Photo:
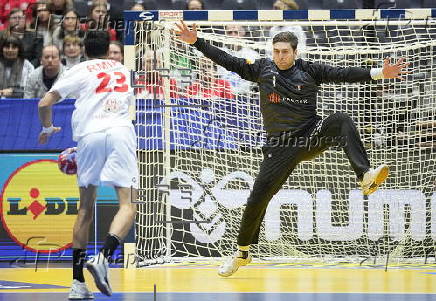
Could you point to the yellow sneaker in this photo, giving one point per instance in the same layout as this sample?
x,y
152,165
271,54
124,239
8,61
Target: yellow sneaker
x,y
373,178
230,266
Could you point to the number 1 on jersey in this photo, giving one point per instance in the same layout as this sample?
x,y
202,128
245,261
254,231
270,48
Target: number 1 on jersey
x,y
105,79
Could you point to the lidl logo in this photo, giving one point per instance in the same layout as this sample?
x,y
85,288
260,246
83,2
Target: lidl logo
x,y
38,206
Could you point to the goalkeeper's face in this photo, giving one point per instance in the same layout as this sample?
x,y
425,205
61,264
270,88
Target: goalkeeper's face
x,y
283,55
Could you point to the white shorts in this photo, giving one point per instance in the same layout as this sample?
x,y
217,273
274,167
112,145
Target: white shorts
x,y
108,158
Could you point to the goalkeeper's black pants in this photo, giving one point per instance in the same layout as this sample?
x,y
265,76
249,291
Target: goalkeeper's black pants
x,y
283,154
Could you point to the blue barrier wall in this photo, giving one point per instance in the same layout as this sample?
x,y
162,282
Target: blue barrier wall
x,y
219,124
20,126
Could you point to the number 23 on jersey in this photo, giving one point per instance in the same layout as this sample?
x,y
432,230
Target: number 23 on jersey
x,y
104,86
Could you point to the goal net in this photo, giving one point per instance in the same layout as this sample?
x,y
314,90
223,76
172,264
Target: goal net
x,y
200,138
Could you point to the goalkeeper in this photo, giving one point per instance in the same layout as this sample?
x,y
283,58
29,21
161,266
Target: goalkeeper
x,y
288,89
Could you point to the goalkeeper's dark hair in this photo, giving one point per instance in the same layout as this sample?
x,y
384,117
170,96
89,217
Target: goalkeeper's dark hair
x,y
287,37
96,43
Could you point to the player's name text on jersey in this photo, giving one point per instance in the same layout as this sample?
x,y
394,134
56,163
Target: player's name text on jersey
x,y
103,65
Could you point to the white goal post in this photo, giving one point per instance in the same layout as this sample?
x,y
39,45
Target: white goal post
x,y
200,137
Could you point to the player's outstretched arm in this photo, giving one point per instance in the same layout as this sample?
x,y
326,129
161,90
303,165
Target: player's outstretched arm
x,y
326,74
394,70
45,116
247,70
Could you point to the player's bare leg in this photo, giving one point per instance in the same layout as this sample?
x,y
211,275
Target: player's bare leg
x,y
84,219
125,216
98,266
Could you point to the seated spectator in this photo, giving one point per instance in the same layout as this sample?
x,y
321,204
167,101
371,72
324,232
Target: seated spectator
x,y
116,51
14,68
42,78
295,29
6,6
32,41
285,5
208,86
137,7
42,22
72,51
69,26
98,19
239,85
194,5
59,8
117,8
152,81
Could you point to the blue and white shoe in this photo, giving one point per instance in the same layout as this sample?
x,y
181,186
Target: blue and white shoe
x,y
98,266
79,291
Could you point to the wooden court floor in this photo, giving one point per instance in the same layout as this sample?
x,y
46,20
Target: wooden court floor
x,y
257,282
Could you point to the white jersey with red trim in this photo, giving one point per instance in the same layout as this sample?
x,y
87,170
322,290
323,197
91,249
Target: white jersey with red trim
x,y
103,94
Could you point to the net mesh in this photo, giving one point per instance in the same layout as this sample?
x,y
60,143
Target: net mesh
x,y
200,138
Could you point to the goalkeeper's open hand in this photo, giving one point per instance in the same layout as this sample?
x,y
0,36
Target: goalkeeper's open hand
x,y
46,133
394,70
185,34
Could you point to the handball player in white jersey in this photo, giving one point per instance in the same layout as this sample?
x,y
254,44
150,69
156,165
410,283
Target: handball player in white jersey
x,y
106,151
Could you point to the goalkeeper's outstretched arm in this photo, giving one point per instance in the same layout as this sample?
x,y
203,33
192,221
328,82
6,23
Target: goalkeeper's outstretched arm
x,y
326,73
246,69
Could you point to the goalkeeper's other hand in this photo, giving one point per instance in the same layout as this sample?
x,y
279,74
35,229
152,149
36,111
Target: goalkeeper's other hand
x,y
46,133
394,70
185,34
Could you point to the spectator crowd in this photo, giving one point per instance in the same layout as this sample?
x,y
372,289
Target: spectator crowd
x,y
41,39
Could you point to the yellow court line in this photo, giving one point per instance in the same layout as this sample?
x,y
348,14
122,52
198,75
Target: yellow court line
x,y
250,279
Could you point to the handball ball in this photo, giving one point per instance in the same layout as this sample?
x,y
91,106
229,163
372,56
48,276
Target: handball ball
x,y
67,161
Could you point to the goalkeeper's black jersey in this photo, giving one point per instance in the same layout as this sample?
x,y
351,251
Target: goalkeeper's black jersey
x,y
288,97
